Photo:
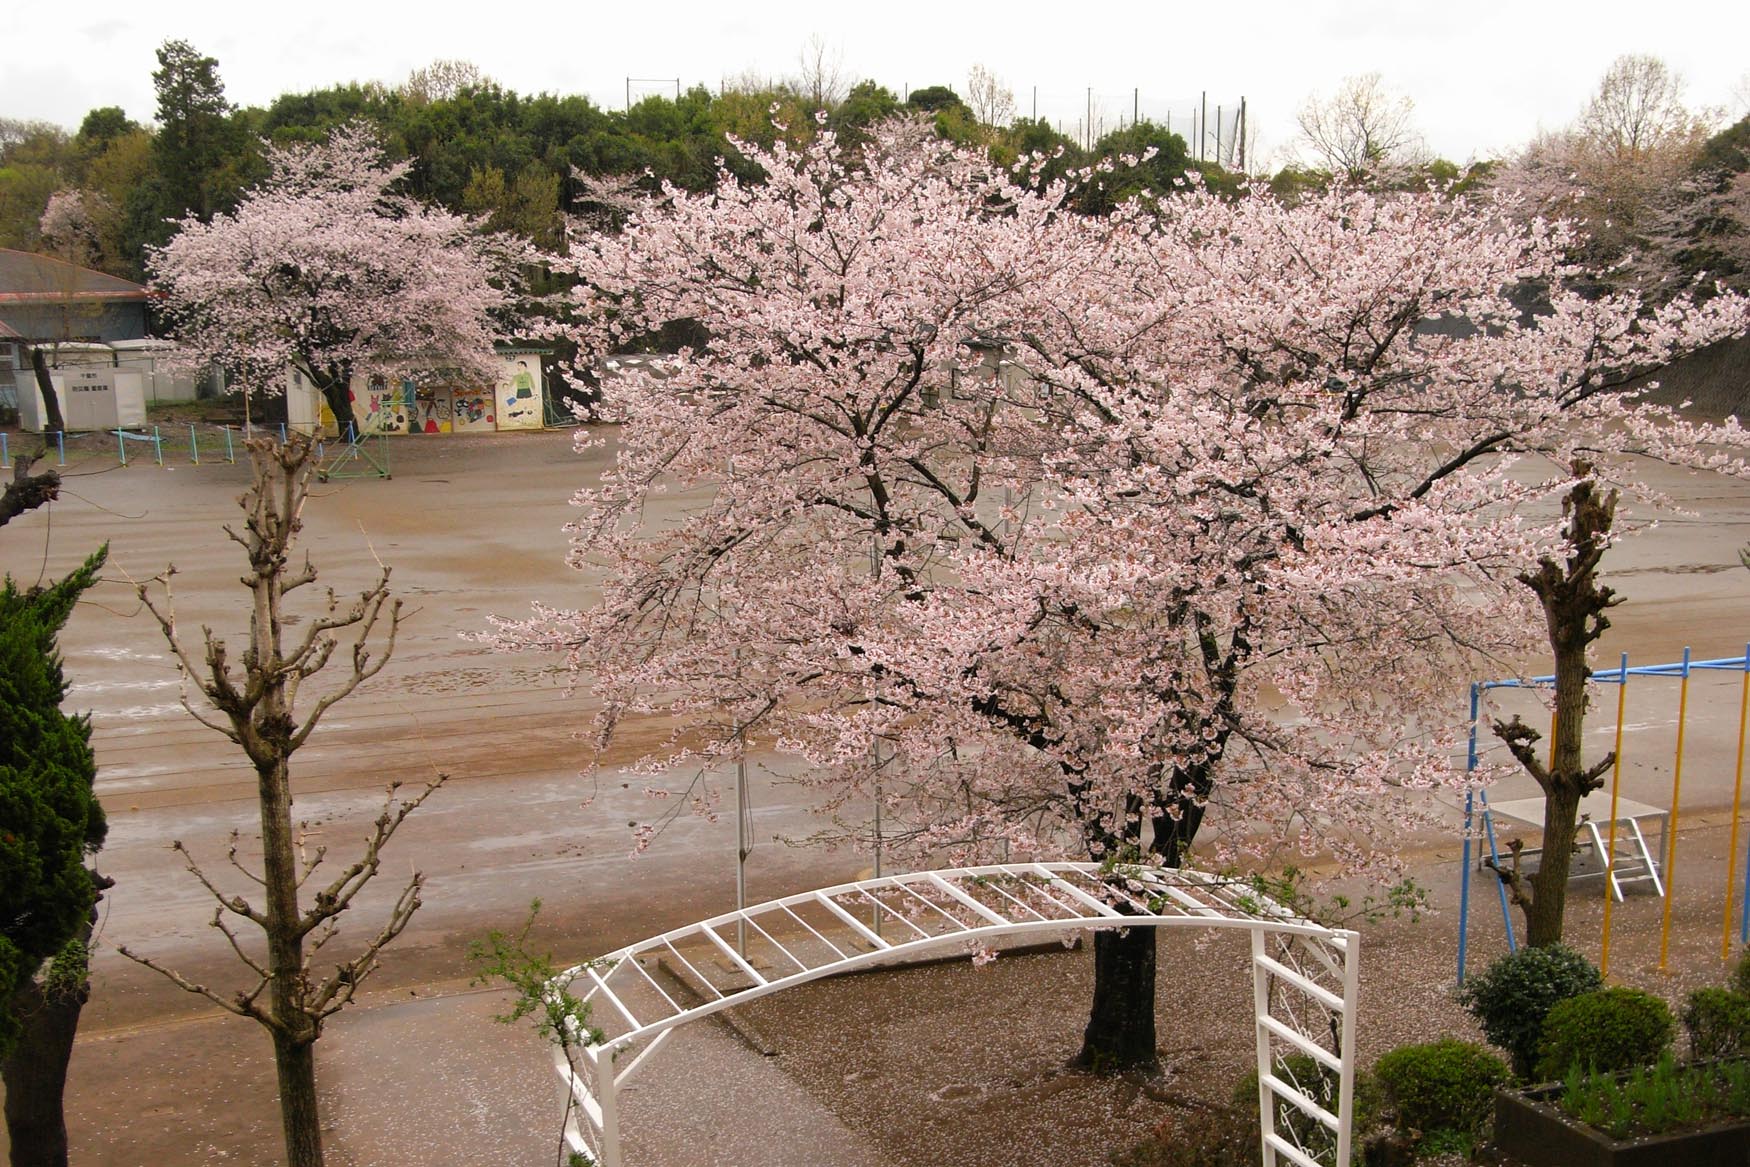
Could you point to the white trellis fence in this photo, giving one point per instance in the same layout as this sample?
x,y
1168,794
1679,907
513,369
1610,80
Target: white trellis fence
x,y
1304,977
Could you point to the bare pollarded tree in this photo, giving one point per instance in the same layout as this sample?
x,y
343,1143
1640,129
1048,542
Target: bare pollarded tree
x,y
1361,128
253,703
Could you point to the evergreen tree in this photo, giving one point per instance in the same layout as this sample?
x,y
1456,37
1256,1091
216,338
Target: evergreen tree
x,y
50,822
194,132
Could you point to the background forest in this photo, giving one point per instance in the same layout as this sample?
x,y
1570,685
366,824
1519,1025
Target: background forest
x,y
1663,187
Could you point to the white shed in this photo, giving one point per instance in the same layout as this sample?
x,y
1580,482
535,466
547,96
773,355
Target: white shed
x,y
92,398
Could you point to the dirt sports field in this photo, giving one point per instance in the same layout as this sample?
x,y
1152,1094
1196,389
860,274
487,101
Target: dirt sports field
x,y
935,1065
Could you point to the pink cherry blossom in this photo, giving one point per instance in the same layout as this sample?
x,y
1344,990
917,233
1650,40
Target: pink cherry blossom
x,y
1056,532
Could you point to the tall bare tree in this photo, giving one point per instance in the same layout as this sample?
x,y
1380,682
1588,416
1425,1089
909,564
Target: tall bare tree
x,y
1625,169
253,703
1360,129
1638,111
821,81
442,80
992,103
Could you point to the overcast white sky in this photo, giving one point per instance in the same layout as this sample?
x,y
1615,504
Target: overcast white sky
x,y
1484,76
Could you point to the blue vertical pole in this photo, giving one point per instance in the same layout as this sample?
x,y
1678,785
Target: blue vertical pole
x,y
61,446
229,455
157,446
5,454
1470,797
194,445
1500,884
121,445
282,433
1744,917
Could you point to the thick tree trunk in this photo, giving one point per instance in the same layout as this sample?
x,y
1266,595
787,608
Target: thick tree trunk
x,y
1549,886
336,386
294,1030
1120,1035
36,1073
55,421
28,491
1574,603
295,1064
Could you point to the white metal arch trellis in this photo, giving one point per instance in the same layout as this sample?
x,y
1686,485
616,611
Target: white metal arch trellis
x,y
1304,977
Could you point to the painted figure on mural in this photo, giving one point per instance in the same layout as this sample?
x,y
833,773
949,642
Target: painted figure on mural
x,y
375,391
519,400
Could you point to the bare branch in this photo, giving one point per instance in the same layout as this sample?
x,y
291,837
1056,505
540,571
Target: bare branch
x,y
236,905
242,1004
338,895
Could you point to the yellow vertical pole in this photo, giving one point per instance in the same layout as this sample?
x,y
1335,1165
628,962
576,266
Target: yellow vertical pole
x,y
1615,788
1671,826
1737,803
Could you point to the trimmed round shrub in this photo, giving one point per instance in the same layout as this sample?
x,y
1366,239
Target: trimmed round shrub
x,y
1446,1085
1605,1031
1511,998
1740,983
1718,1023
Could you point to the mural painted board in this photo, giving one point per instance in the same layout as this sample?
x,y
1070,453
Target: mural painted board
x,y
372,404
521,405
400,408
473,411
432,403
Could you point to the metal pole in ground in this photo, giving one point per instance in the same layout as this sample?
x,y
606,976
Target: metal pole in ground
x,y
1470,798
1615,787
1671,825
1737,805
742,843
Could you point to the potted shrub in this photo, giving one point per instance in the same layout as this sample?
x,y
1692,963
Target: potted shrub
x,y
1623,1099
1697,1115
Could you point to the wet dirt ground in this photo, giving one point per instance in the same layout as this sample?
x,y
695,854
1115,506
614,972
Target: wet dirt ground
x,y
418,1072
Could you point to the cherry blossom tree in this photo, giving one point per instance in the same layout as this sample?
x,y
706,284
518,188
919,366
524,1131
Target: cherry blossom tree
x,y
1116,534
327,267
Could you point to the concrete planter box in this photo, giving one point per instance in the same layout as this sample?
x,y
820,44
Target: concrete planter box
x,y
1530,1127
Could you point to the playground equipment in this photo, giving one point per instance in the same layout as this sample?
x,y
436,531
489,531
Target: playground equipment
x,y
1305,977
1621,848
357,456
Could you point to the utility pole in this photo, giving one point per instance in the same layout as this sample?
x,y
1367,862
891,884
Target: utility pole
x,y
1242,132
